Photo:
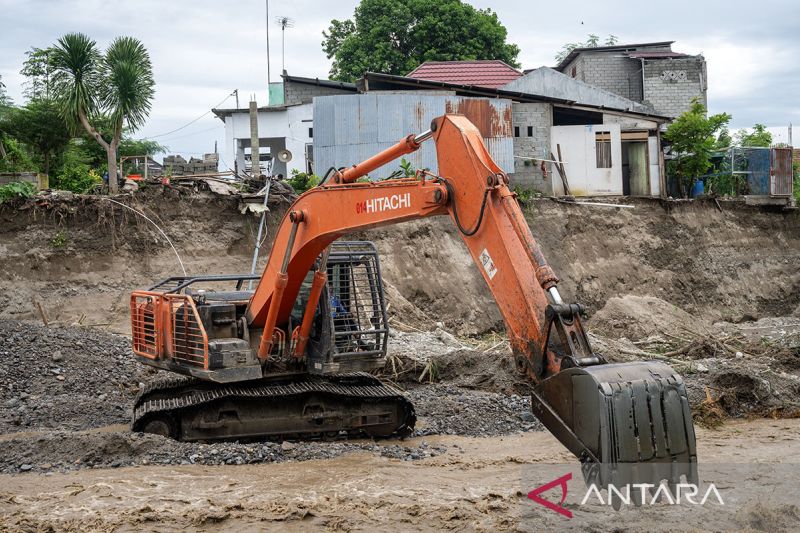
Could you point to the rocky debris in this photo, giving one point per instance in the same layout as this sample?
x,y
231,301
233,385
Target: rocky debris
x,y
739,369
51,423
450,410
434,356
420,346
65,377
63,451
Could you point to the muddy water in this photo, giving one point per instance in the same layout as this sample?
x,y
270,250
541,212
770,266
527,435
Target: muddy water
x,y
476,486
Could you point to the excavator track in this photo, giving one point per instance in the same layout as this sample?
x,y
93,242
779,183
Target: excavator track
x,y
300,406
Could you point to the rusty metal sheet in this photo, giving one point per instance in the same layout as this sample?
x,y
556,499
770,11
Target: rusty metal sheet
x,y
491,120
781,172
351,128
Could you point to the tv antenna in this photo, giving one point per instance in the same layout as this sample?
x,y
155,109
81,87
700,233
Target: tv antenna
x,y
284,22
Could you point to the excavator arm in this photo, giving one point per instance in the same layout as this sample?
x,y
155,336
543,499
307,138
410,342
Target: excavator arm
x,y
474,192
627,423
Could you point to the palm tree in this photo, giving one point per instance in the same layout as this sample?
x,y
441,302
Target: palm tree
x,y
118,85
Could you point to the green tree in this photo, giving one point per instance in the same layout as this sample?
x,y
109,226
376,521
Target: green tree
x,y
15,157
593,41
4,103
4,99
75,171
117,86
302,181
396,36
724,139
693,138
40,126
759,137
38,69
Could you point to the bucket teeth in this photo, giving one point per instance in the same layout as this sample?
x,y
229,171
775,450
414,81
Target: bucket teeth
x,y
629,423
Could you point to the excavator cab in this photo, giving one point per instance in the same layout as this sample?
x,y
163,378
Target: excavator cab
x,y
350,330
181,324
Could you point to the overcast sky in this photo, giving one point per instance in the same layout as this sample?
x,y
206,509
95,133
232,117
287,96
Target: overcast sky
x,y
202,50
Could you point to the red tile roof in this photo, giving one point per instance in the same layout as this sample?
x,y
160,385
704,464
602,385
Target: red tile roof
x,y
489,73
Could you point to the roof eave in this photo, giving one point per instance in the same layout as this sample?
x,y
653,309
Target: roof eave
x,y
345,86
511,95
576,51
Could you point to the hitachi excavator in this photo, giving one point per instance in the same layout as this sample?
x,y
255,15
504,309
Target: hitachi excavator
x,y
293,358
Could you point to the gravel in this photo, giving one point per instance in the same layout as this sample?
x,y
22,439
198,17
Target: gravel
x,y
65,377
449,410
49,424
61,451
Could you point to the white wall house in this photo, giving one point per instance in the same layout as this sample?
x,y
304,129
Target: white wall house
x,y
288,127
285,124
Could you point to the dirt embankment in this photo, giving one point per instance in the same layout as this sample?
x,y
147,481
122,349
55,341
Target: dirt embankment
x,y
711,292
83,256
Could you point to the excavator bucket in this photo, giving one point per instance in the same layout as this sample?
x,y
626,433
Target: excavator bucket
x,y
629,423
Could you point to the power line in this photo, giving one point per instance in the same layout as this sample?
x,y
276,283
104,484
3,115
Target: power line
x,y
196,132
193,121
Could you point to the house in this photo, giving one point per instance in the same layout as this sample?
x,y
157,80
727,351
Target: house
x,y
623,134
610,145
352,128
648,73
284,125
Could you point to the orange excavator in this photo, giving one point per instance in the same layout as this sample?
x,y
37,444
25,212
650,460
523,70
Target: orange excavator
x,y
293,358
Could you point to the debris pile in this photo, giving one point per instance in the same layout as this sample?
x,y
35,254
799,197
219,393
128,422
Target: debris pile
x,y
65,377
66,394
63,451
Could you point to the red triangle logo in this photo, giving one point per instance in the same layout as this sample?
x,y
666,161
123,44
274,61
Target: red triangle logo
x,y
560,482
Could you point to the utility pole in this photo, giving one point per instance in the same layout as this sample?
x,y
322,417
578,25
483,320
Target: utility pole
x,y
255,156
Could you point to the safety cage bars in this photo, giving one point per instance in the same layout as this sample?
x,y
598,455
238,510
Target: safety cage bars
x,y
357,302
156,317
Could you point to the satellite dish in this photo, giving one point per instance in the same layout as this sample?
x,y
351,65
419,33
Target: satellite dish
x,y
284,156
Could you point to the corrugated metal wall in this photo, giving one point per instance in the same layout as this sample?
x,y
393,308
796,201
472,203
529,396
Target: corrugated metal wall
x,y
781,179
351,128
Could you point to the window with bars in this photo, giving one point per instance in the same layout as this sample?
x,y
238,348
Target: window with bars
x,y
603,149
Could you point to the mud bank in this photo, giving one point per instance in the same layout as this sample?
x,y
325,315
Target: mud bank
x,y
79,258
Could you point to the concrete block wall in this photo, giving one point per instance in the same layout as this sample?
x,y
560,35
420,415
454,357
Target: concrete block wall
x,y
576,64
671,84
298,93
539,117
614,73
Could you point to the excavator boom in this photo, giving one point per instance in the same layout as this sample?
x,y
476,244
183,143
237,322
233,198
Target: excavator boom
x,y
627,423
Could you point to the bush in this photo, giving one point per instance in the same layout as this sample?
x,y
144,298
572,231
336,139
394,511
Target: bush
x,y
78,178
17,158
302,181
524,195
725,185
75,174
17,189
